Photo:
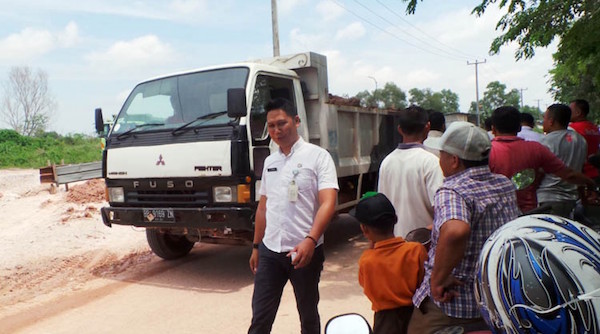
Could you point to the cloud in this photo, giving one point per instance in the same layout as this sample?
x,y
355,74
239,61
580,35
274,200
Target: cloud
x,y
288,6
301,41
70,36
420,78
140,52
329,11
351,32
31,43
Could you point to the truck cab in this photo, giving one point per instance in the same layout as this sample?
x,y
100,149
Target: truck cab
x,y
185,154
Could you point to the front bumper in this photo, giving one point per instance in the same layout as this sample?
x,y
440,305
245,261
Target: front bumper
x,y
217,217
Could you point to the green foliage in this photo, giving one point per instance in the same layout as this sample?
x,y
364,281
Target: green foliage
x,y
34,152
577,65
445,101
533,24
537,114
495,96
390,97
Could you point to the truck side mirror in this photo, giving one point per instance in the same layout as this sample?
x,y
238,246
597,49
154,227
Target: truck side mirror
x,y
236,102
99,121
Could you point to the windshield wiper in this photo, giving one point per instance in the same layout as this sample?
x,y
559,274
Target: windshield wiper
x,y
130,131
206,118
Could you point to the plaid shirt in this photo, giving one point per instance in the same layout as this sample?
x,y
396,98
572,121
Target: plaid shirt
x,y
483,200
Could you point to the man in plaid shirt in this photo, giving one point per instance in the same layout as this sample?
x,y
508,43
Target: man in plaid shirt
x,y
469,206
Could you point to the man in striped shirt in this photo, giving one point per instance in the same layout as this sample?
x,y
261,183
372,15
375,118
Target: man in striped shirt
x,y
469,206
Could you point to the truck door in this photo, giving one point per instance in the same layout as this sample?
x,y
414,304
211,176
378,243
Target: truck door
x,y
267,87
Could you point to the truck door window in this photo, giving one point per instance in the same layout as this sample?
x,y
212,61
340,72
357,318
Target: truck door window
x,y
265,89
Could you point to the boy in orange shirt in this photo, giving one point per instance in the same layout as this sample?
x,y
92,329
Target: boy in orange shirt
x,y
392,269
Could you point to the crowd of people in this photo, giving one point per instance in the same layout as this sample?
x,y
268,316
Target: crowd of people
x,y
458,184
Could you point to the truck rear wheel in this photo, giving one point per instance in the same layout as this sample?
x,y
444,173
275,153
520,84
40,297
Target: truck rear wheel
x,y
168,246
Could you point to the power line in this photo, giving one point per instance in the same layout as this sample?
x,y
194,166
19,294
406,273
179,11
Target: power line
x,y
389,33
422,31
409,34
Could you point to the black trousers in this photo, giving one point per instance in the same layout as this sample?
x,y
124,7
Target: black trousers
x,y
273,272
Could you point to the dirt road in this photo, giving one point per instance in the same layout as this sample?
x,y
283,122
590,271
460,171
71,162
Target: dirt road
x,y
62,271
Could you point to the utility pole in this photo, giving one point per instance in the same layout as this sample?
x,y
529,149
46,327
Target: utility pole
x,y
538,104
275,28
522,89
476,63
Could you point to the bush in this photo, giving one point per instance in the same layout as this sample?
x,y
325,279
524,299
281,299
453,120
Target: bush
x,y
35,152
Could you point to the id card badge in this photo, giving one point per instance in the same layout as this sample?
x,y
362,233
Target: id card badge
x,y
293,191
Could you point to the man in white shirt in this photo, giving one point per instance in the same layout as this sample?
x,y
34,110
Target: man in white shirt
x,y
297,201
527,125
410,175
437,126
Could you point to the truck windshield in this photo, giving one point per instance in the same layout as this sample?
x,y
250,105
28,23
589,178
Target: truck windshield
x,y
168,103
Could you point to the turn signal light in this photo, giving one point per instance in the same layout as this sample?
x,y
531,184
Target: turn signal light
x,y
243,193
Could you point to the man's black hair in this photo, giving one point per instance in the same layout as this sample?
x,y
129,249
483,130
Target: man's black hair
x,y
413,119
283,104
507,120
527,119
560,113
387,226
437,120
583,106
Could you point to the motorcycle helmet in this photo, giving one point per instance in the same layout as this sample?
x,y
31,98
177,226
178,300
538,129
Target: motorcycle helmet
x,y
540,274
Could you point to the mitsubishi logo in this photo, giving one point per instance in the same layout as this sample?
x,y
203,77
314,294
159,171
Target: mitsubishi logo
x,y
160,160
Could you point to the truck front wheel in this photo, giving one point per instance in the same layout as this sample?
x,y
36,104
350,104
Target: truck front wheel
x,y
168,246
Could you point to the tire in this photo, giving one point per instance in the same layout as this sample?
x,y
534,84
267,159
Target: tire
x,y
168,246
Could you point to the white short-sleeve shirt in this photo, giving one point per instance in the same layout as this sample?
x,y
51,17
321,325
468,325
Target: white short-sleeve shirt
x,y
311,168
409,177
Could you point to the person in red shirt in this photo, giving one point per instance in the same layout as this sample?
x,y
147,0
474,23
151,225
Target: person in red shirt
x,y
511,155
579,122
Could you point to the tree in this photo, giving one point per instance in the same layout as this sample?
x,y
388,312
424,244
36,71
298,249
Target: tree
x,y
537,114
390,96
577,66
534,24
495,96
445,101
27,103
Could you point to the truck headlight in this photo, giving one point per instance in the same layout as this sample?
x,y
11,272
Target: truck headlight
x,y
116,194
225,194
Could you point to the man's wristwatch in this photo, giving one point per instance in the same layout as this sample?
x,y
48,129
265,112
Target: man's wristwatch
x,y
255,246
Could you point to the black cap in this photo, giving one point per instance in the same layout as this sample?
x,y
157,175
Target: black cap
x,y
376,211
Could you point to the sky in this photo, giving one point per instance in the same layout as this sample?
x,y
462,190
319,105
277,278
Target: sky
x,y
95,52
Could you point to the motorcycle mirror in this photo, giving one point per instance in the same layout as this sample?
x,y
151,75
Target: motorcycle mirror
x,y
351,323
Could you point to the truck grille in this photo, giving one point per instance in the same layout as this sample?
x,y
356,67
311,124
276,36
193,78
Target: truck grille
x,y
168,197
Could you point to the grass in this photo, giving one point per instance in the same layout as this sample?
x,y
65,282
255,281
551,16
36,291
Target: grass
x,y
35,152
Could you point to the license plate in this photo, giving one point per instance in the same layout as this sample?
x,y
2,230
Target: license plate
x,y
158,215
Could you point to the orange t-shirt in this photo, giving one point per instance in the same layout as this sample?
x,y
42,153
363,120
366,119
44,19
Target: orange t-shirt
x,y
391,272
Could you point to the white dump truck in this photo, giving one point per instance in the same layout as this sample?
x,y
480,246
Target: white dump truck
x,y
185,154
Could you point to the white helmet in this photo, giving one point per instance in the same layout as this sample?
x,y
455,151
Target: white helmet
x,y
540,274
